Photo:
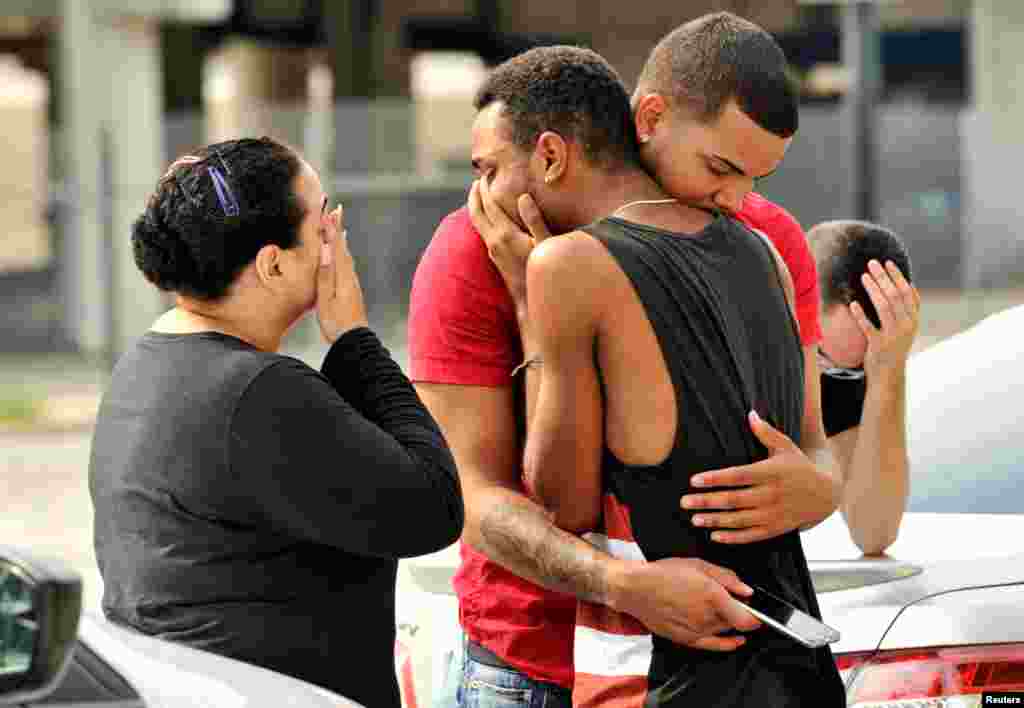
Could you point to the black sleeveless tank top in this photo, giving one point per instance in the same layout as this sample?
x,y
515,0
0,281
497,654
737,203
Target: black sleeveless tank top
x,y
717,306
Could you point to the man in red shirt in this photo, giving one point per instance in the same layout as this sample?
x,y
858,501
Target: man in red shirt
x,y
520,575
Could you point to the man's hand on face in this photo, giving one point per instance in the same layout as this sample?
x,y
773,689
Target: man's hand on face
x,y
898,304
508,245
776,495
686,600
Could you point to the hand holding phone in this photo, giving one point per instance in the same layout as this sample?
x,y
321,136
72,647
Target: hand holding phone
x,y
787,619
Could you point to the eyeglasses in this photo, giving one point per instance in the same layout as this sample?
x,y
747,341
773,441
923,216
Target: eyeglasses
x,y
831,369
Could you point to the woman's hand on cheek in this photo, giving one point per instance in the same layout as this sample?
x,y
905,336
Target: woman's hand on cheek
x,y
339,299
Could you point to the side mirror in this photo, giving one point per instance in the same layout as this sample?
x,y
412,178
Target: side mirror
x,y
40,603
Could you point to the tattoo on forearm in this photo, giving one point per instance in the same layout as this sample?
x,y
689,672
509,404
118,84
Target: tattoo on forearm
x,y
521,538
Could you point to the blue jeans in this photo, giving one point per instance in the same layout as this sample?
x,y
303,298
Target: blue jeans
x,y
470,684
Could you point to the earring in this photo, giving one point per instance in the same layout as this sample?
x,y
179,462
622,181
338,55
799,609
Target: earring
x,y
645,138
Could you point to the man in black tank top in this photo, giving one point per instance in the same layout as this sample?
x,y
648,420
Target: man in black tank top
x,y
653,333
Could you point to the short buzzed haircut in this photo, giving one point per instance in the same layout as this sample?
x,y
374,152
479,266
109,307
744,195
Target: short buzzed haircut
x,y
707,62
842,250
571,91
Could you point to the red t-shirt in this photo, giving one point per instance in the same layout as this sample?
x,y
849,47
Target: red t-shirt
x,y
784,231
462,330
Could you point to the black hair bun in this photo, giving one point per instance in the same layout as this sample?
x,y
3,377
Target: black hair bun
x,y
160,253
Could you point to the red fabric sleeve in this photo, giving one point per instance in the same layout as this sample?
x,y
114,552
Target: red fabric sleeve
x,y
789,239
462,322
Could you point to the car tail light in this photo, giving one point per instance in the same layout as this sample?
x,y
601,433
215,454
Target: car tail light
x,y
950,677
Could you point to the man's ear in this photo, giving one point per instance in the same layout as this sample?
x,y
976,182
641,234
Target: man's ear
x,y
649,109
268,267
554,155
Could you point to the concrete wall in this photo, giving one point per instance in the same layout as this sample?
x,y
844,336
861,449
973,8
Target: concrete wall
x,y
919,190
624,32
387,235
24,182
392,217
919,181
945,175
992,144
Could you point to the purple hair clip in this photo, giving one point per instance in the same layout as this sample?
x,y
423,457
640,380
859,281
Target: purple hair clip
x,y
224,194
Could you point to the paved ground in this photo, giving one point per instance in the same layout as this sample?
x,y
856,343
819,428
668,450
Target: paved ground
x,y
45,499
43,487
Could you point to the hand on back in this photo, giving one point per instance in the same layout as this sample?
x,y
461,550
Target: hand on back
x,y
765,499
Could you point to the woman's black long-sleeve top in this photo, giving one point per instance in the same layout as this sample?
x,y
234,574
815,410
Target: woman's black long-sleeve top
x,y
249,505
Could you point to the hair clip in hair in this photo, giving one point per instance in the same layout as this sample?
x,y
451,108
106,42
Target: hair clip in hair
x,y
224,195
223,162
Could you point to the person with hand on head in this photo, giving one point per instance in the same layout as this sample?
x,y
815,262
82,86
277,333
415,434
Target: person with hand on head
x,y
870,315
245,503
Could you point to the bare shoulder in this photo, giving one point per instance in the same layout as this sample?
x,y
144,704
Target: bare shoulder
x,y
573,271
568,253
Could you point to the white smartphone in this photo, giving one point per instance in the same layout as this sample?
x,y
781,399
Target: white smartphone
x,y
791,621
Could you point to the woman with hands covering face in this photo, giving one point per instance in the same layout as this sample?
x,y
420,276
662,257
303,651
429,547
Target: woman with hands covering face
x,y
247,504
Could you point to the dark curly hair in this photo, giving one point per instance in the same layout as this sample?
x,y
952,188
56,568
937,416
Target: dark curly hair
x,y
715,58
568,90
190,240
843,249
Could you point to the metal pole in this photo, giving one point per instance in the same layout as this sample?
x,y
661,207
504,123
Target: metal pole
x,y
350,47
81,105
111,331
862,56
489,14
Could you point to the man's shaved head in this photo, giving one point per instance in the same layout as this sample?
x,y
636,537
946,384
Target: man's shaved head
x,y
704,64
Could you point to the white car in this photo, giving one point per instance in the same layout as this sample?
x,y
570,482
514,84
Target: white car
x,y
939,619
